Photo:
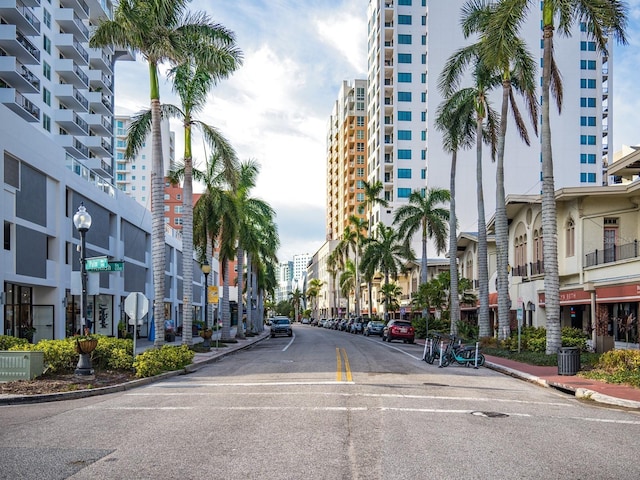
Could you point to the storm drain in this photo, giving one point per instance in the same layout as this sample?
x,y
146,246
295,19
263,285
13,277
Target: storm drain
x,y
490,414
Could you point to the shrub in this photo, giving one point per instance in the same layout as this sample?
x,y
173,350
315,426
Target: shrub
x,y
59,355
435,325
7,342
165,359
113,354
616,361
574,337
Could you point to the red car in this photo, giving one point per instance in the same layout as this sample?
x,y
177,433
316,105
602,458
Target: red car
x,y
399,330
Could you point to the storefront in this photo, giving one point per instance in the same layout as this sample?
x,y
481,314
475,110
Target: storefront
x,y
618,311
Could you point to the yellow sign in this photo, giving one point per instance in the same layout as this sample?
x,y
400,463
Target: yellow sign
x,y
212,294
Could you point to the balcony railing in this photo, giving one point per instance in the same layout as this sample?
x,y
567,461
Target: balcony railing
x,y
537,267
612,254
520,271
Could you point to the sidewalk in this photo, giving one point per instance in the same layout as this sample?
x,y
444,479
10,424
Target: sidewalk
x,y
586,388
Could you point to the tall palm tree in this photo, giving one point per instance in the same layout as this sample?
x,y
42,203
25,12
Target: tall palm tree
x,y
216,221
347,281
192,84
372,198
391,293
485,79
601,18
505,51
386,252
315,286
352,239
164,31
455,119
333,265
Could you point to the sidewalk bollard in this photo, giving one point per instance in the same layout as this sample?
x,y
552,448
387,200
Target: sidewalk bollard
x,y
424,353
441,354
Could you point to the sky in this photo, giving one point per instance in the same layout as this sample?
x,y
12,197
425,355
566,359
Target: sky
x,y
276,107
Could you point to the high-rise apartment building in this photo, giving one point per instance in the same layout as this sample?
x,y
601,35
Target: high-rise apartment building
x,y
346,157
52,79
300,263
409,42
134,176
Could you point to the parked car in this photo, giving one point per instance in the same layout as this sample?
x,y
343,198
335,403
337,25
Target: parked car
x,y
374,328
305,321
355,327
399,330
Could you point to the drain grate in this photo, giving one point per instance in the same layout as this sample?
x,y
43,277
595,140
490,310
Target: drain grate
x,y
490,414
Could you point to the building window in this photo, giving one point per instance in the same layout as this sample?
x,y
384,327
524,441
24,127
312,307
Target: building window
x,y
360,147
46,122
588,121
404,134
587,102
404,173
360,121
359,172
46,70
588,46
404,77
46,17
587,64
178,209
423,174
360,159
404,39
177,221
404,58
404,96
587,139
588,158
588,83
537,251
404,2
404,116
46,96
404,154
404,19
571,238
359,197
167,196
46,44
178,197
404,192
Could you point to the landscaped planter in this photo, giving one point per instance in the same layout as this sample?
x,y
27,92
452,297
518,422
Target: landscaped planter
x,y
20,365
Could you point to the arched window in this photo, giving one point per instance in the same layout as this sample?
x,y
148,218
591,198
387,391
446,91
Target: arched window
x,y
538,265
570,249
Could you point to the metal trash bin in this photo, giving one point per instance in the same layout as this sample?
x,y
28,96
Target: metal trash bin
x,y
568,360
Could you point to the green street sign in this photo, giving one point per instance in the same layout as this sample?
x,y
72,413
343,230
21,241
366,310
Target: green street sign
x,y
96,263
116,266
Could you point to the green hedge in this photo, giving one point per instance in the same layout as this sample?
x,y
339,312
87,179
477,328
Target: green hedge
x,y
166,359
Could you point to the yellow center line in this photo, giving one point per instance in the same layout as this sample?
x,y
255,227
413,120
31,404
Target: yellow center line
x,y
347,367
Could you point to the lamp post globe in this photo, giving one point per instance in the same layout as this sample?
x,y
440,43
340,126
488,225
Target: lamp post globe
x,y
206,269
82,221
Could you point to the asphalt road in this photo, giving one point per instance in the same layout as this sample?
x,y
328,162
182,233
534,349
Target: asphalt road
x,y
323,405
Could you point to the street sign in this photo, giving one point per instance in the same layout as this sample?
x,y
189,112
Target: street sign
x,y
100,266
96,263
136,306
116,266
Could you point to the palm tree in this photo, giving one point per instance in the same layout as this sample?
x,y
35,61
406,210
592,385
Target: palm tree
x,y
216,221
601,19
484,79
347,281
333,264
352,239
295,297
505,51
315,285
386,252
391,292
164,31
192,84
371,198
454,118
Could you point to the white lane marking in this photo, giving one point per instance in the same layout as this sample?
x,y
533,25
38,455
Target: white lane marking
x,y
293,337
382,343
327,394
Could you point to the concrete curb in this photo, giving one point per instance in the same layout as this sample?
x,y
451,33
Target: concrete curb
x,y
580,393
92,392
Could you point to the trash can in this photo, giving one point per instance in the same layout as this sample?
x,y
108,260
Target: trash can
x,y
568,360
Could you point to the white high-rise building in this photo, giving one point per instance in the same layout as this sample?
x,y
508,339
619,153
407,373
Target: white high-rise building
x,y
134,176
409,42
300,263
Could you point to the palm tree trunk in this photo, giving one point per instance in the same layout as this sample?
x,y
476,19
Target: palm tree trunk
x,y
187,241
226,312
454,307
157,213
502,232
483,270
549,216
423,266
241,282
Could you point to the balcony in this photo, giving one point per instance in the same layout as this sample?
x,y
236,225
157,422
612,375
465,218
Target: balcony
x,y
79,6
71,23
15,44
99,124
537,267
98,80
612,254
73,146
520,271
100,103
17,102
17,13
71,97
71,122
71,73
71,48
18,76
99,60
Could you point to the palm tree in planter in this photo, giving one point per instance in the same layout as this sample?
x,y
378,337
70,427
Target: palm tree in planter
x,y
164,31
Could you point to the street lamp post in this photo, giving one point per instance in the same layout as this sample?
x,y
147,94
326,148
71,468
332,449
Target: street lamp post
x,y
82,221
206,269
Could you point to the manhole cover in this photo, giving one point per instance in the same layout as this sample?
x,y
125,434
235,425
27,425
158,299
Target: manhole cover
x,y
490,414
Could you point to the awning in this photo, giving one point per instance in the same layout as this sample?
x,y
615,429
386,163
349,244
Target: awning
x,y
493,300
618,293
569,297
